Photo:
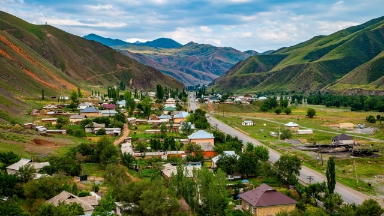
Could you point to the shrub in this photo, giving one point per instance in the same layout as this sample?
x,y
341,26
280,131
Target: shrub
x,y
371,119
287,111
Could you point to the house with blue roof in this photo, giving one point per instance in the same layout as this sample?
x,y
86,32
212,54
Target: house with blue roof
x,y
180,117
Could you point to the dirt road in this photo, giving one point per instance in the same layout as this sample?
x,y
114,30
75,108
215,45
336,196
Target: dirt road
x,y
125,135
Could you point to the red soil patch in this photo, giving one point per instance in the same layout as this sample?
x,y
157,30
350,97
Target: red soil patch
x,y
22,52
43,142
38,79
5,54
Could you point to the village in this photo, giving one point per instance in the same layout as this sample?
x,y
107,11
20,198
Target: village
x,y
163,136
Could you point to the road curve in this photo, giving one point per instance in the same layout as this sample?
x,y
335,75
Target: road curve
x,y
349,195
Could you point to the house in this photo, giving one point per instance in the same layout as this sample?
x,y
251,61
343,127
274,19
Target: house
x,y
170,169
152,95
346,126
229,153
180,117
12,169
247,123
170,101
51,121
127,148
169,109
124,208
121,103
153,117
204,139
292,126
265,200
108,113
92,127
307,131
110,131
109,106
342,139
90,112
76,119
88,203
84,105
164,118
131,120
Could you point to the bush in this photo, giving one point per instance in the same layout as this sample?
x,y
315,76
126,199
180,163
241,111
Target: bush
x,y
278,110
286,134
371,119
287,111
84,193
311,112
101,132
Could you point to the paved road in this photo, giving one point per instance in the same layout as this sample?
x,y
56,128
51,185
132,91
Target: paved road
x,y
349,195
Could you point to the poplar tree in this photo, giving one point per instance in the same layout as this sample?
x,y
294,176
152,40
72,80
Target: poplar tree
x,y
331,175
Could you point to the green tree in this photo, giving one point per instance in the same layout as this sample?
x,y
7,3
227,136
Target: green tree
x,y
289,168
278,110
79,93
247,165
331,175
311,112
163,129
262,152
74,96
11,208
285,134
26,172
8,158
101,131
106,206
127,159
42,188
227,163
287,110
333,202
186,128
371,119
369,207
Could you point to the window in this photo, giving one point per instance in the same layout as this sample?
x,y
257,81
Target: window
x,y
247,206
253,210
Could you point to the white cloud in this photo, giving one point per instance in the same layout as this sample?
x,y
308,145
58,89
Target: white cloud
x,y
132,40
90,23
182,35
205,29
327,27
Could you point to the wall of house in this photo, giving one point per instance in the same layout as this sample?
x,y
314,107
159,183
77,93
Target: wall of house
x,y
273,210
11,171
211,140
178,120
292,128
91,114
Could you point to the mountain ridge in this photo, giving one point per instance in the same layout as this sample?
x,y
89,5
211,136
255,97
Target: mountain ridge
x,y
320,63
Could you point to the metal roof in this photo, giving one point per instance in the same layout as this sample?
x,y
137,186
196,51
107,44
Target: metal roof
x,y
201,134
265,195
20,163
181,115
89,110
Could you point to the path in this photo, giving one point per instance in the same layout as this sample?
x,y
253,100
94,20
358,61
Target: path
x,y
125,135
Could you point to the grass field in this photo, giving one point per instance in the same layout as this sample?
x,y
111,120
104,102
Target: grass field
x,y
366,168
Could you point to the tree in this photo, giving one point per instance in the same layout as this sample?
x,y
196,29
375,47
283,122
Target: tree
x,y
278,110
289,168
8,158
369,207
127,159
42,188
11,208
101,131
106,206
285,134
79,93
262,152
26,172
331,175
48,209
186,128
247,165
227,163
194,152
8,186
163,129
287,110
371,119
311,112
332,202
74,96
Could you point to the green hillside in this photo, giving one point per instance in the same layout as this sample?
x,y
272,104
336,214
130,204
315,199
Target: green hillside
x,y
88,62
333,61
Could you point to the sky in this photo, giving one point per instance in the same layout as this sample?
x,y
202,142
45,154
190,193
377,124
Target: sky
x,y
258,25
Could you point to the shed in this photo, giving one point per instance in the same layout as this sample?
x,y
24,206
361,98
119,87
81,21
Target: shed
x,y
292,126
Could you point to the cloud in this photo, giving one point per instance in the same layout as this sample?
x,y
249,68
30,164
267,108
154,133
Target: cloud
x,y
242,24
205,29
132,40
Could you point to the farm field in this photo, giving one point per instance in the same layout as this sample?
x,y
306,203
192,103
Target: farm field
x,y
370,172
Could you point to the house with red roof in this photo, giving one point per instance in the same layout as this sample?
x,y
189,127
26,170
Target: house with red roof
x,y
265,201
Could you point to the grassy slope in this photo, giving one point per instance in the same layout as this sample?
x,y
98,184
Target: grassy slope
x,y
84,60
315,63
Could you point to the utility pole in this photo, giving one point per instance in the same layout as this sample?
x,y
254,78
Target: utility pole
x,y
279,132
310,178
357,181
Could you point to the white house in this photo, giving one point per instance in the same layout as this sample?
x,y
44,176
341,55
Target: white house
x,y
247,123
343,139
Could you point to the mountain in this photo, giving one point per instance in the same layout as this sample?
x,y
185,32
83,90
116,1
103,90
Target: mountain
x,y
162,43
352,58
36,57
192,63
105,41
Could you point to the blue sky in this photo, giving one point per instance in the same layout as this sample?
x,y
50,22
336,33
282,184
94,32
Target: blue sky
x,y
242,24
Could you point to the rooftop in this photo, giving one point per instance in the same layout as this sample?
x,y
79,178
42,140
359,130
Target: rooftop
x,y
20,163
291,124
89,110
201,134
264,195
342,137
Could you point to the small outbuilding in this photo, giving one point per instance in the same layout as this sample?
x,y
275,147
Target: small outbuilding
x,y
292,126
343,139
247,123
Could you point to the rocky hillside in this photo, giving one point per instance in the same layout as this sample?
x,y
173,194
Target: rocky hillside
x,y
192,63
348,59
